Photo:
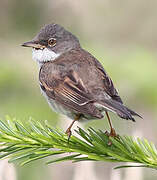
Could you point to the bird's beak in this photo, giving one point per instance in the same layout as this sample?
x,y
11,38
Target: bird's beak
x,y
32,44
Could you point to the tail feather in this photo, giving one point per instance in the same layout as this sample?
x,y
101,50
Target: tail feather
x,y
133,113
118,108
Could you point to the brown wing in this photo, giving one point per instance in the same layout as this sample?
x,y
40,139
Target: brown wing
x,y
68,90
108,84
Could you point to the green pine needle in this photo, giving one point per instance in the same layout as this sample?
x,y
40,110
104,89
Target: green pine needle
x,y
36,141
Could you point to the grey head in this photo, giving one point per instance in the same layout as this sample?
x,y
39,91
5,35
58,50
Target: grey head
x,y
52,41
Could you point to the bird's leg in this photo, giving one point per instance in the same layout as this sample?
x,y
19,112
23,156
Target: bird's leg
x,y
112,131
68,131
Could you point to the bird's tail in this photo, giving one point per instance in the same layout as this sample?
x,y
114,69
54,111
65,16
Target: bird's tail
x,y
118,108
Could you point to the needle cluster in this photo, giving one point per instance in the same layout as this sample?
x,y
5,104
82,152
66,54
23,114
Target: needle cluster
x,y
26,143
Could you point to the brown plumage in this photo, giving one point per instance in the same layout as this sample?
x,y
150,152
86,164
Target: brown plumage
x,y
74,82
78,81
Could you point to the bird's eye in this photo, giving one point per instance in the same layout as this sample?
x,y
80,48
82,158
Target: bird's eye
x,y
52,42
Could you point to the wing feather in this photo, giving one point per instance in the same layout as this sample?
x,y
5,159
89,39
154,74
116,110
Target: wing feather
x,y
108,84
70,91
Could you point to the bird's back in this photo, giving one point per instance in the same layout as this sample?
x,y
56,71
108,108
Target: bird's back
x,y
87,68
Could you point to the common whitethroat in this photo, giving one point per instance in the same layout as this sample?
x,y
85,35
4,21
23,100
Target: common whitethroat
x,y
72,80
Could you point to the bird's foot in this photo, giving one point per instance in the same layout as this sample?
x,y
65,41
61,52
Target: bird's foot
x,y
111,134
69,133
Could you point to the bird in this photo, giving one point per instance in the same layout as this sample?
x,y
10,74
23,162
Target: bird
x,y
72,80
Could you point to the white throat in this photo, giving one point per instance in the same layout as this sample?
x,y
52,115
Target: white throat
x,y
43,55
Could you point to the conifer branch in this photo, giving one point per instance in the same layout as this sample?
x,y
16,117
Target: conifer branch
x,y
36,141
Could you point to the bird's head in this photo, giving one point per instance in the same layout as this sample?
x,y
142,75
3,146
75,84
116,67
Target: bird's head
x,y
52,41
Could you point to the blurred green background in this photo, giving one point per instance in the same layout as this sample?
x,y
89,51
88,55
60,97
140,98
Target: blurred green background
x,y
121,34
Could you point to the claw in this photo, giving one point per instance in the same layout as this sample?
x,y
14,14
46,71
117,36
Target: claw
x,y
111,134
69,133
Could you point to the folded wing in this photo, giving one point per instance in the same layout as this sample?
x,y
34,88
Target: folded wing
x,y
69,91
